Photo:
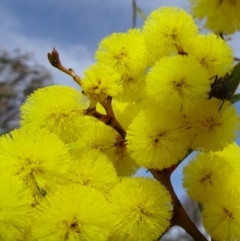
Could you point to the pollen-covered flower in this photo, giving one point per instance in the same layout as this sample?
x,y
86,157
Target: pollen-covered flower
x,y
141,209
231,154
94,169
126,111
56,108
221,216
98,137
124,52
15,208
167,31
133,88
212,128
221,16
101,81
157,139
119,155
73,213
213,53
206,176
177,83
39,158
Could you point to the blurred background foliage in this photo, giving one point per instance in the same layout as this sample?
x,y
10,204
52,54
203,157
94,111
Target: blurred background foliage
x,y
19,77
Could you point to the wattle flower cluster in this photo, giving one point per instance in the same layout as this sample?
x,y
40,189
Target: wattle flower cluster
x,y
149,94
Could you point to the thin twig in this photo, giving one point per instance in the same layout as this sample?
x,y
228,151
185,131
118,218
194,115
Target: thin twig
x,y
107,120
54,60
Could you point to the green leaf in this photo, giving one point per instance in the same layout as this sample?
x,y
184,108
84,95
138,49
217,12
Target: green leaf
x,y
235,98
235,79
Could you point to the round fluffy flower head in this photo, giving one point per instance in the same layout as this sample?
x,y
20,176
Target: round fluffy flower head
x,y
126,111
213,53
231,154
221,217
38,157
206,176
167,31
94,169
212,128
74,213
56,108
101,81
156,139
98,137
125,52
141,209
15,208
124,164
133,88
177,83
221,16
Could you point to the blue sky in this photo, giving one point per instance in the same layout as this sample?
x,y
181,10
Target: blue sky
x,y
75,28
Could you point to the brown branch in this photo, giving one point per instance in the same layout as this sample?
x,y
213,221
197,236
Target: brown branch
x,y
107,120
180,217
236,59
54,60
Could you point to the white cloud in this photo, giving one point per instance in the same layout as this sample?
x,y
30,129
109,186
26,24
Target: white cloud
x,y
77,57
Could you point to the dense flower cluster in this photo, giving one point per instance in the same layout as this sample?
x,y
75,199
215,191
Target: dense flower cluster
x,y
221,16
66,176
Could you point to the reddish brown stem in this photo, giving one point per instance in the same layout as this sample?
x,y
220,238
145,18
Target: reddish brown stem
x,y
108,120
55,61
180,217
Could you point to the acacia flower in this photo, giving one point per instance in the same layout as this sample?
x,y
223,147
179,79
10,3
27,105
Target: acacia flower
x,y
124,164
213,53
157,139
221,16
56,108
231,154
206,175
212,128
142,209
101,81
124,52
39,158
15,208
97,136
167,31
94,169
73,213
177,83
133,88
221,216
